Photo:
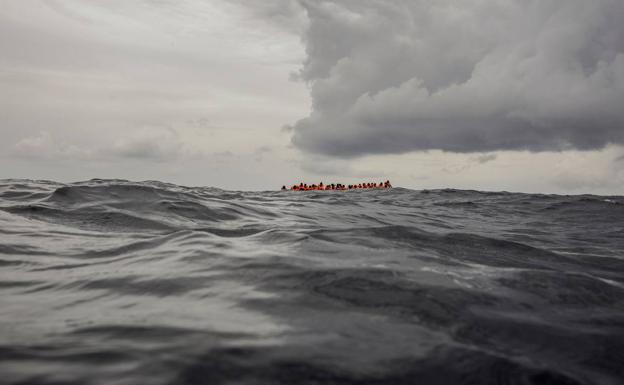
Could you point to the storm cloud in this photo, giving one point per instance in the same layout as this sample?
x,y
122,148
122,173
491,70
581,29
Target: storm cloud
x,y
396,76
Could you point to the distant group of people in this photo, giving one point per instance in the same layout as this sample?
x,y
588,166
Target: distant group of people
x,y
337,186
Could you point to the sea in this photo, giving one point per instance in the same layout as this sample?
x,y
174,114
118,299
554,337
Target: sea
x,y
120,282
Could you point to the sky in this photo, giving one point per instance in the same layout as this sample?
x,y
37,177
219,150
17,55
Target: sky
x,y
515,95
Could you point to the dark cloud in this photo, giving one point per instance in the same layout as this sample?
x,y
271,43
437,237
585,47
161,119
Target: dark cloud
x,y
485,158
469,76
258,153
156,144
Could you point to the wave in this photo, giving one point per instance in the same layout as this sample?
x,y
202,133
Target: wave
x,y
113,281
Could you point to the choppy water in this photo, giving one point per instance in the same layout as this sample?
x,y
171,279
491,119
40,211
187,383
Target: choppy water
x,y
107,282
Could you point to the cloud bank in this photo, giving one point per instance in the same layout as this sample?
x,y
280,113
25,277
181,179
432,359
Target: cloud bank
x,y
396,76
158,144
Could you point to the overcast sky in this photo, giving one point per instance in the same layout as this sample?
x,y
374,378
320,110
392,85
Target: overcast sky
x,y
518,95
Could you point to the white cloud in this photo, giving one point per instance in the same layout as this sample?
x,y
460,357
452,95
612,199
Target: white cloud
x,y
101,79
147,143
44,146
87,89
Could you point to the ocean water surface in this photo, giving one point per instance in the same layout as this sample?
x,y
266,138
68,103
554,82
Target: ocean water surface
x,y
118,282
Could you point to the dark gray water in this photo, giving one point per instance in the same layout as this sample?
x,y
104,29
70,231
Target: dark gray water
x,y
106,282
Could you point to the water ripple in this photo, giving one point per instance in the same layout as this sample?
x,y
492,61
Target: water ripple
x,y
111,281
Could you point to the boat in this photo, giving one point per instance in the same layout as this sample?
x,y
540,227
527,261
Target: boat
x,y
337,186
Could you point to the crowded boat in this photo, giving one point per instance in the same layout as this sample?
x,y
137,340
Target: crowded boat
x,y
337,186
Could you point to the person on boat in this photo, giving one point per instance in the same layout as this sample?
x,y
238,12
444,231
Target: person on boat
x,y
338,186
